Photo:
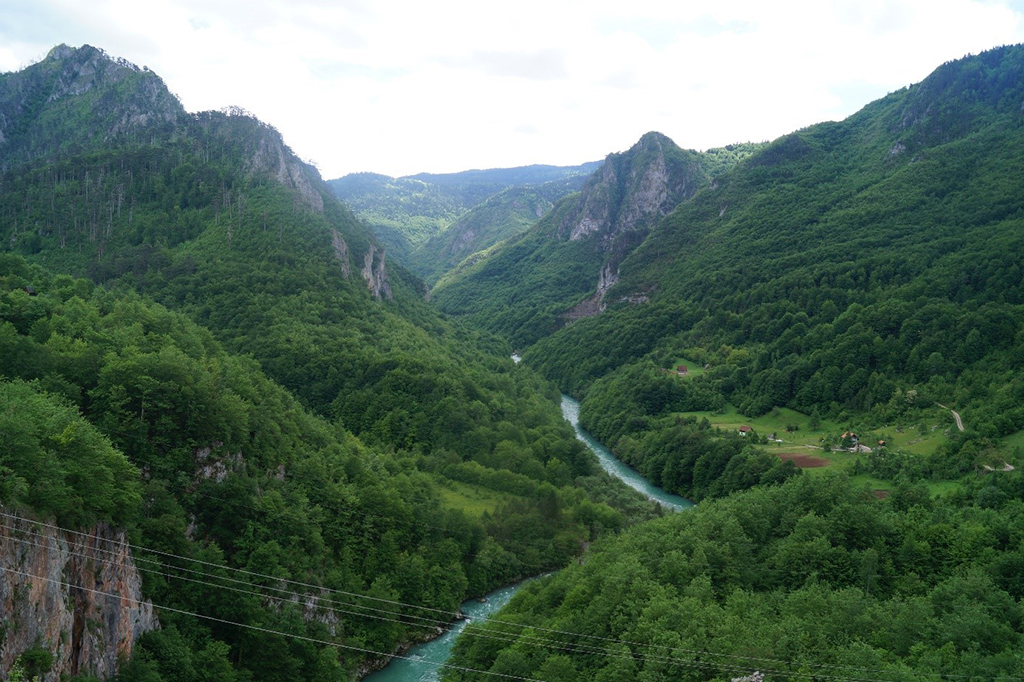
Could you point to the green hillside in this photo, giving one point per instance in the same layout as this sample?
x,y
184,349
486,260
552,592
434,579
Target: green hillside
x,y
559,271
814,579
501,216
289,404
860,271
406,212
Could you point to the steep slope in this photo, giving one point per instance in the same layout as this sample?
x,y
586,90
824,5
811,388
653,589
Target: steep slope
x,y
807,580
78,100
866,267
214,217
499,217
405,212
562,268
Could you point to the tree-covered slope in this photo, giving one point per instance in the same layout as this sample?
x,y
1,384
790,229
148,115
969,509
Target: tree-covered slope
x,y
79,99
213,216
499,217
814,579
560,270
406,212
843,266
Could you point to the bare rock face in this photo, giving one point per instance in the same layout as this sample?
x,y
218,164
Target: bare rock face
x,y
376,274
623,200
594,304
632,190
341,253
272,157
76,595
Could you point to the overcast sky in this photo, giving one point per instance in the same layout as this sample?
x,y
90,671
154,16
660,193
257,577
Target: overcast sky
x,y
405,86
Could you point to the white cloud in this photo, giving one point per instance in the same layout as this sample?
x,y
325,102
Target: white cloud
x,y
400,87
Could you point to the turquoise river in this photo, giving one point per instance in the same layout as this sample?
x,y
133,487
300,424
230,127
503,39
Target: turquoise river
x,y
422,662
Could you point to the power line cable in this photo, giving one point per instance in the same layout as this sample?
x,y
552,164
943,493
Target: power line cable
x,y
270,631
504,636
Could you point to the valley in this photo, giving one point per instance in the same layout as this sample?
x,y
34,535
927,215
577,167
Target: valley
x,y
279,417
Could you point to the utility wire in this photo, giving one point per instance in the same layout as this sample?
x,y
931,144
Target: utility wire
x,y
268,630
511,637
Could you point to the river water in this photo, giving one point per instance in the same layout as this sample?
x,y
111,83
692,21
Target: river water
x,y
623,472
421,662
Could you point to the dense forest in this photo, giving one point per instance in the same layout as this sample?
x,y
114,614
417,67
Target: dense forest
x,y
200,345
814,579
257,388
856,271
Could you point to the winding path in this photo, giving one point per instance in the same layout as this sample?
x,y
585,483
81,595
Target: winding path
x,y
956,416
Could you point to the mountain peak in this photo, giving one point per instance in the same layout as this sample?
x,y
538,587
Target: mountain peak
x,y
632,189
77,98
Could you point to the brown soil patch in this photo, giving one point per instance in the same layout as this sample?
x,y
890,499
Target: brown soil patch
x,y
803,461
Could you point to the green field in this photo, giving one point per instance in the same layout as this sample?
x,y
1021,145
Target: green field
x,y
694,368
775,422
922,438
472,499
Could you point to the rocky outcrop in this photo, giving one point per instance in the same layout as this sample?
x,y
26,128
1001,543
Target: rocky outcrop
x,y
341,253
80,96
632,190
593,305
216,466
77,595
376,274
621,202
273,157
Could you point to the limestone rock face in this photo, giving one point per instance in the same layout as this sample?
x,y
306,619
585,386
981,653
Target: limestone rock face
x,y
623,200
376,274
632,190
77,595
271,156
341,253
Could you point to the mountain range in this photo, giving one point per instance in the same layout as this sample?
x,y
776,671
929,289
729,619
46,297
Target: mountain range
x,y
253,430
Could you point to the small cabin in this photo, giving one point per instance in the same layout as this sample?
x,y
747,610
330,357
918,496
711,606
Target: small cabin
x,y
852,436
682,370
744,430
881,443
29,290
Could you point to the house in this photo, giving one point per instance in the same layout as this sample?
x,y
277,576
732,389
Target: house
x,y
29,290
682,370
881,443
744,430
852,436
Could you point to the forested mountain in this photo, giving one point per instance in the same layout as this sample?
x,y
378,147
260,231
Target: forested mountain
x,y
220,395
859,272
561,269
811,580
854,270
405,212
288,405
499,217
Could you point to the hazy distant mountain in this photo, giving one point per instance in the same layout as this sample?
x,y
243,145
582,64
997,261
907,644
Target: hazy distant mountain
x,y
405,212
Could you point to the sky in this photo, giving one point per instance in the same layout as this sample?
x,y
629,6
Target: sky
x,y
400,87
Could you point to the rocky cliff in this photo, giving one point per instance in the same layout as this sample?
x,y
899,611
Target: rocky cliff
x,y
376,274
77,99
623,199
76,595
